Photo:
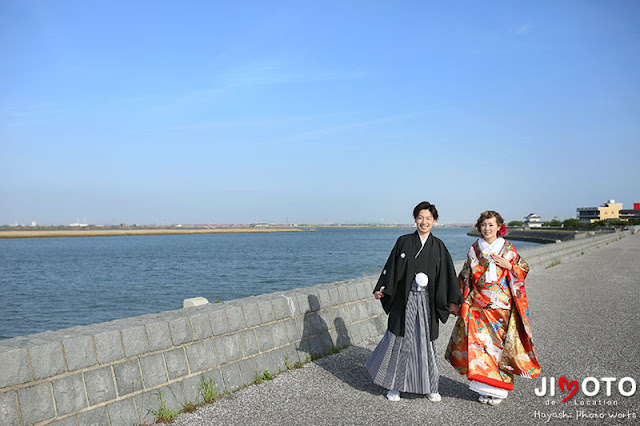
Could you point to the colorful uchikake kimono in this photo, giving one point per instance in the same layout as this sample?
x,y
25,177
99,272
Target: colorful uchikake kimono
x,y
492,338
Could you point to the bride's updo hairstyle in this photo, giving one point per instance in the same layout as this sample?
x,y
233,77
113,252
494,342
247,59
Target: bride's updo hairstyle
x,y
488,215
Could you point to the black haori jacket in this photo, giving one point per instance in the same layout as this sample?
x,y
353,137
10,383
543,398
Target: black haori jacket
x,y
399,272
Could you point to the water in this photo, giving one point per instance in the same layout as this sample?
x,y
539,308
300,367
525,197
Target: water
x,y
54,283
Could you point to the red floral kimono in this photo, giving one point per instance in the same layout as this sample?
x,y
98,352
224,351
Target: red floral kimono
x,y
492,338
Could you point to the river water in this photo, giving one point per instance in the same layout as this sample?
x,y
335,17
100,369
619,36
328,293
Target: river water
x,y
54,283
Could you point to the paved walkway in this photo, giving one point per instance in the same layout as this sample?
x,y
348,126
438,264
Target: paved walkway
x,y
585,322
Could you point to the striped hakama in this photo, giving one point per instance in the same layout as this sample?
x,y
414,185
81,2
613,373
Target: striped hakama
x,y
408,364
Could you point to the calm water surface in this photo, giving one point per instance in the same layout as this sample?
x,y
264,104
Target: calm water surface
x,y
54,283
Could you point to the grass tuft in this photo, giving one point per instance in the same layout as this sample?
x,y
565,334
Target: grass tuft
x,y
209,390
551,265
164,414
189,407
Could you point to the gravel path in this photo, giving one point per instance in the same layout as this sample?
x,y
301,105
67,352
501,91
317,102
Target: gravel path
x,y
585,323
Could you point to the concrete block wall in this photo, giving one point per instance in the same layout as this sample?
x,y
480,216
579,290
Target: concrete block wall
x,y
114,373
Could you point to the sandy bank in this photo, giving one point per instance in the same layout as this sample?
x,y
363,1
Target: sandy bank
x,y
55,233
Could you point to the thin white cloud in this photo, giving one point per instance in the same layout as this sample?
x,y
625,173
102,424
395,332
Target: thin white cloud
x,y
523,30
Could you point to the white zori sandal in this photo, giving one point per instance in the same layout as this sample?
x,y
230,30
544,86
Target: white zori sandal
x,y
494,400
393,395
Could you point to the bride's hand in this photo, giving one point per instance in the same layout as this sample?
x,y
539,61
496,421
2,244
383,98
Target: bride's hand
x,y
502,262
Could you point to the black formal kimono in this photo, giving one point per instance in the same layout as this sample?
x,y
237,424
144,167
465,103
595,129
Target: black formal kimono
x,y
405,359
399,272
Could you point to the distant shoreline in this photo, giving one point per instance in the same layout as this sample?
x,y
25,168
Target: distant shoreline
x,y
94,231
58,233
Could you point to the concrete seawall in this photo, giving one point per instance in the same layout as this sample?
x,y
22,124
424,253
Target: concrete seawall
x,y
115,372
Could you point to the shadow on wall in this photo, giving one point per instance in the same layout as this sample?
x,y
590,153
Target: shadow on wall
x,y
316,339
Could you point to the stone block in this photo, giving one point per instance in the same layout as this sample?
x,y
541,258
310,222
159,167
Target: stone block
x,y
251,314
228,348
148,402
368,329
374,307
290,355
292,302
313,324
95,417
194,301
264,363
15,366
323,297
123,413
272,361
249,342
334,296
153,370
303,303
67,421
363,307
380,324
353,292
231,376
216,376
280,308
319,344
79,351
47,360
332,316
180,331
248,370
236,318
108,346
354,333
344,293
159,335
266,311
201,326
69,394
192,388
135,341
128,377
314,300
219,321
293,332
100,386
36,403
200,357
341,337
279,333
173,396
355,312
265,338
363,290
344,312
9,409
176,363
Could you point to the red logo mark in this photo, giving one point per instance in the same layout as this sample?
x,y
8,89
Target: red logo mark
x,y
571,386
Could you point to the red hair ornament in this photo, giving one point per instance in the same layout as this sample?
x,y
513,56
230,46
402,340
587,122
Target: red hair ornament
x,y
503,230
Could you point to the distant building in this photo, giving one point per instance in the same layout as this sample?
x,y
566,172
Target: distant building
x,y
608,210
631,214
532,220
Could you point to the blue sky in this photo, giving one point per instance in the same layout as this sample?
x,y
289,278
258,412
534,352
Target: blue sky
x,y
315,112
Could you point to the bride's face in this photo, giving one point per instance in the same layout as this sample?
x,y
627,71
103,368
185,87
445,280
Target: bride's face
x,y
489,229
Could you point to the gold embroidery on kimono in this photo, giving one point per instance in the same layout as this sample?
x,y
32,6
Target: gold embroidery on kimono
x,y
492,339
